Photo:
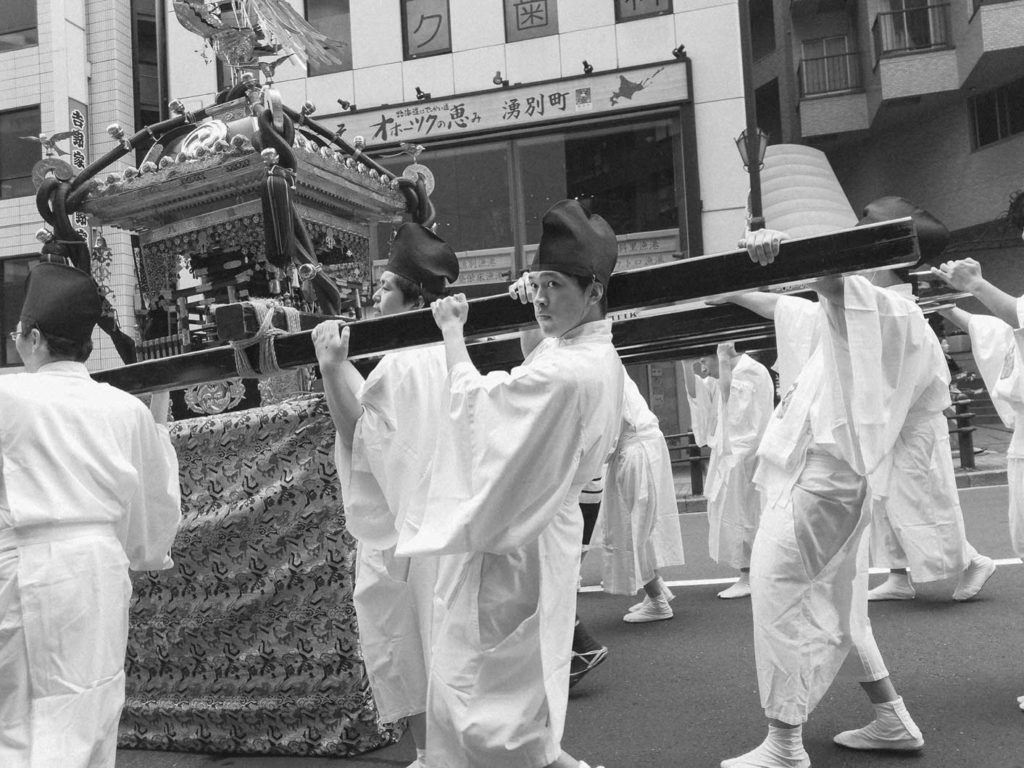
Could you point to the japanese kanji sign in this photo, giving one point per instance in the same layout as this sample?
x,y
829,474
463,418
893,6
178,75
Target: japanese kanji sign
x,y
426,28
551,101
627,10
78,116
525,19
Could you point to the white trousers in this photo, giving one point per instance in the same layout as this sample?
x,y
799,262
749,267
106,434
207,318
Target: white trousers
x,y
808,577
63,634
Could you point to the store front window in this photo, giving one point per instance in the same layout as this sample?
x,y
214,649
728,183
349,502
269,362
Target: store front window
x,y
13,272
490,197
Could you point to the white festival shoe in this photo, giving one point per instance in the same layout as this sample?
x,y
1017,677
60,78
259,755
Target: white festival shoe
x,y
766,757
657,609
740,589
893,589
892,729
669,595
974,577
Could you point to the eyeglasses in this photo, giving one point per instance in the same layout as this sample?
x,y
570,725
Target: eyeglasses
x,y
14,335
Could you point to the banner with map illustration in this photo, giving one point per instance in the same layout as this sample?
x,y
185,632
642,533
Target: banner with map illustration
x,y
600,93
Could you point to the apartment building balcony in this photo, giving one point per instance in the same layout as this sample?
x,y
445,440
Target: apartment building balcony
x,y
914,52
991,48
832,98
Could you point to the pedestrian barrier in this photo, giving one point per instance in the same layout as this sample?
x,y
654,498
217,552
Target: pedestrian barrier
x,y
683,449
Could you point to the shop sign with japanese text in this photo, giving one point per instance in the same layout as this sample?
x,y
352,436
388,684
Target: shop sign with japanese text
x,y
426,28
526,19
510,108
78,116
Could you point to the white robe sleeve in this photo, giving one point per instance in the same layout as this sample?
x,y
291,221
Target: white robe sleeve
x,y
384,477
503,472
992,343
153,515
703,409
747,412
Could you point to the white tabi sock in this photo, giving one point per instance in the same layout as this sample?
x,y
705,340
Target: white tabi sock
x,y
892,728
784,748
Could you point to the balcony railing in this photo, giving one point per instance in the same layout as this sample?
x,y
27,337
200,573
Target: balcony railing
x,y
914,29
830,74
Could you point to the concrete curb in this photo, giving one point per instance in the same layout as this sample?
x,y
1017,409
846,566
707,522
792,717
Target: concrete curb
x,y
979,478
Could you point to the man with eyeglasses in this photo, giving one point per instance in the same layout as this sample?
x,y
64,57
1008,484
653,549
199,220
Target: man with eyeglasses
x,y
88,488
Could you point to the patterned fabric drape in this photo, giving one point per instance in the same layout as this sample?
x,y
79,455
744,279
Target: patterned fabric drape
x,y
249,644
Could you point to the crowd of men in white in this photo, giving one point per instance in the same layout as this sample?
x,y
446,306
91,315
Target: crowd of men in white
x,y
463,490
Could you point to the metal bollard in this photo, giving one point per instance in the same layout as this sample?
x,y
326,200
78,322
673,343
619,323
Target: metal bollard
x,y
696,466
964,431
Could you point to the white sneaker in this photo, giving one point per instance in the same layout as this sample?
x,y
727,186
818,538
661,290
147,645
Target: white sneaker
x,y
896,587
657,609
892,729
974,577
1020,702
740,589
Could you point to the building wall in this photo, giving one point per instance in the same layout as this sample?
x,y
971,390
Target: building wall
x,y
918,147
929,160
84,53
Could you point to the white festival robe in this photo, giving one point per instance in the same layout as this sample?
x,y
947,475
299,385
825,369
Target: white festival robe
x,y
997,351
402,402
88,489
846,409
703,408
639,522
734,503
503,512
916,519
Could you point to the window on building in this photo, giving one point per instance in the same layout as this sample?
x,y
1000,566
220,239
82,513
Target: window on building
x,y
18,25
146,70
997,114
628,10
16,155
769,110
526,19
426,28
332,18
911,25
828,66
13,272
626,173
490,197
762,28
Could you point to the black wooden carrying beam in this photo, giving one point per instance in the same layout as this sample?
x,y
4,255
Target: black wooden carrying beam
x,y
880,246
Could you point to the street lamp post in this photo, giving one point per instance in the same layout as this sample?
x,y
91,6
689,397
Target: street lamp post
x,y
750,143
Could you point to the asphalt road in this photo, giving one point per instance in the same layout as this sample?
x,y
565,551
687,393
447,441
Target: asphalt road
x,y
683,693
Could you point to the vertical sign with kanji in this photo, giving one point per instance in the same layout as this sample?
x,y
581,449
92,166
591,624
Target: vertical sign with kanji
x,y
627,10
526,19
426,28
79,119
